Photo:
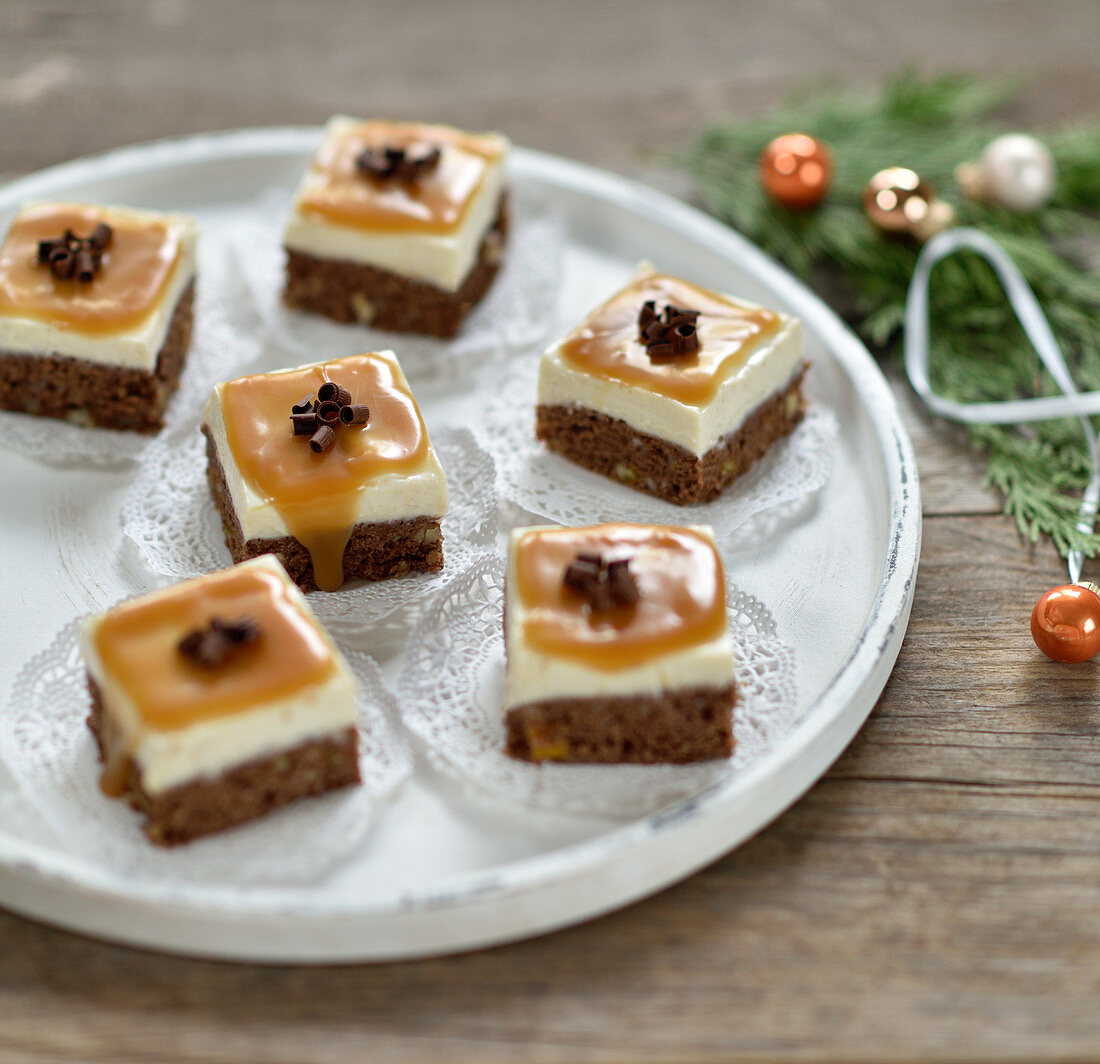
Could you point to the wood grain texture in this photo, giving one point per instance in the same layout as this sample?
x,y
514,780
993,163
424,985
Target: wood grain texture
x,y
937,895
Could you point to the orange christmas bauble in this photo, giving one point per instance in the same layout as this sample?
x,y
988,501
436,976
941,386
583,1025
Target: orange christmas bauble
x,y
795,170
1065,623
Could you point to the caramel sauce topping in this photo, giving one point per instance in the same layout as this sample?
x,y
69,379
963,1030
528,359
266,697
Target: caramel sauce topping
x,y
436,203
136,269
680,584
317,495
138,646
606,344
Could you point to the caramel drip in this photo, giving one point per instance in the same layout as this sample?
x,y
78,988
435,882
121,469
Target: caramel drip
x,y
680,583
606,344
436,203
137,645
317,495
135,271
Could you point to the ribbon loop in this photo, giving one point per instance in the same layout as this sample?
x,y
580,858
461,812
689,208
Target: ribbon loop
x,y
1072,403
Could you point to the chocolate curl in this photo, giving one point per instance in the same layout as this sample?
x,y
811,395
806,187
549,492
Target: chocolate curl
x,y
621,582
322,440
101,237
210,646
62,263
355,414
583,570
328,413
647,314
303,406
331,392
46,248
305,424
85,264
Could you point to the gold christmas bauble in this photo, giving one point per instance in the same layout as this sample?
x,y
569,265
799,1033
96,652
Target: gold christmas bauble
x,y
900,202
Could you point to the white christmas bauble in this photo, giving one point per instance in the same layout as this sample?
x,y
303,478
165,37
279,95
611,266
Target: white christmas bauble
x,y
1018,172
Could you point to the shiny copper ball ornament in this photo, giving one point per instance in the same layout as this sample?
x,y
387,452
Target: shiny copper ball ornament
x,y
795,170
1065,623
900,202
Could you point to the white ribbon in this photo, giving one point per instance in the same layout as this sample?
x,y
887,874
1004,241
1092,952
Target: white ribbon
x,y
1012,411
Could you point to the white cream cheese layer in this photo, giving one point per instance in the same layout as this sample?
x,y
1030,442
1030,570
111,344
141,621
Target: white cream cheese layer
x,y
533,675
440,259
169,758
392,497
771,365
136,348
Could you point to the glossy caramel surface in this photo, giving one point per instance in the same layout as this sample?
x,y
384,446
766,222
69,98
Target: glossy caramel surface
x,y
137,647
135,270
681,594
435,203
317,495
606,344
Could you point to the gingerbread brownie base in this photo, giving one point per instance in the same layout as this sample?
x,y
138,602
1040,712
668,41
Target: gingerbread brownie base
x,y
658,467
244,793
691,724
375,551
352,292
94,393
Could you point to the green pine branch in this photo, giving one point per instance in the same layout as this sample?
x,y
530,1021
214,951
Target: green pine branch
x,y
979,351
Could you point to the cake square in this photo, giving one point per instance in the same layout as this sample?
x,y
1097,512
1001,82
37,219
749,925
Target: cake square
x,y
671,389
364,504
95,313
398,225
218,700
617,645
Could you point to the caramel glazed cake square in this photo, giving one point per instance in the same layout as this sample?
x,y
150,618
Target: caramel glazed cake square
x,y
397,225
95,313
617,646
218,700
672,389
329,467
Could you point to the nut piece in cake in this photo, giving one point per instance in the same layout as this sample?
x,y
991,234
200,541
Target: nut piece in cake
x,y
672,389
617,645
329,467
95,313
217,701
398,225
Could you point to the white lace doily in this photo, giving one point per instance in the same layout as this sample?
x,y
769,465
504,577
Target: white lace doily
x,y
223,341
548,484
170,516
49,750
516,311
451,690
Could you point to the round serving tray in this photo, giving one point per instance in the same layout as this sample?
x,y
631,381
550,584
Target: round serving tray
x,y
442,871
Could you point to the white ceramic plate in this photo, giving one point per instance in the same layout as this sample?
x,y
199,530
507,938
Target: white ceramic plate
x,y
442,872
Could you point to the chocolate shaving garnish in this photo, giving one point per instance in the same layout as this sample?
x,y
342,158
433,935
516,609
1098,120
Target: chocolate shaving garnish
x,y
322,440
668,336
318,417
331,392
604,585
69,255
210,646
305,424
401,164
355,414
328,413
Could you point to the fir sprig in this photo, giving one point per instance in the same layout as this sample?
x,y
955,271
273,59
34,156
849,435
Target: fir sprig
x,y
979,351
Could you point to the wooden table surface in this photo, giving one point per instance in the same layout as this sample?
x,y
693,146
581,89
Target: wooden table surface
x,y
936,896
